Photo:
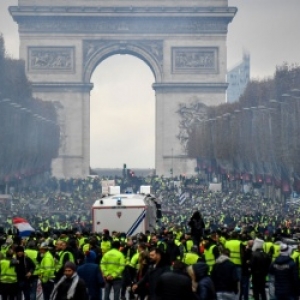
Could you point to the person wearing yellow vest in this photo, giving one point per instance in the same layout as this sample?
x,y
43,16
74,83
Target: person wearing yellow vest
x,y
65,255
106,241
112,266
32,253
25,269
211,252
268,246
47,270
8,245
189,242
191,258
8,276
129,272
276,253
236,248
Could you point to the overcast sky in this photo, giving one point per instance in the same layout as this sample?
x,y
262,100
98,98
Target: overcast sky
x,y
123,103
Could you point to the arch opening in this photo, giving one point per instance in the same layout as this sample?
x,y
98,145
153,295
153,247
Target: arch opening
x,y
122,129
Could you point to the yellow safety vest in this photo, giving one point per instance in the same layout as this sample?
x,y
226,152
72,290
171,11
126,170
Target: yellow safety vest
x,y
7,272
235,251
276,252
105,246
32,254
47,268
189,245
210,258
267,247
190,258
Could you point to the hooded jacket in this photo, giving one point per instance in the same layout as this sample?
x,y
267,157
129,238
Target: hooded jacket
x,y
205,289
285,272
174,286
91,275
224,275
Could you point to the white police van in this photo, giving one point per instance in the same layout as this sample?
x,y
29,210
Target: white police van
x,y
129,213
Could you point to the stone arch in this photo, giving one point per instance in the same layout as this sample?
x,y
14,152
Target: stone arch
x,y
183,42
153,57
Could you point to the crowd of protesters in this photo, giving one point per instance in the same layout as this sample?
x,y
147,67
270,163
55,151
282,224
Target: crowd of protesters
x,y
207,245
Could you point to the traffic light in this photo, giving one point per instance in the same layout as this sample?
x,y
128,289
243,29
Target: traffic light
x,y
124,166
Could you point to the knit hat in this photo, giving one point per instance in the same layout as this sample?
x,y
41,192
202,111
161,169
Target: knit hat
x,y
70,265
19,249
257,244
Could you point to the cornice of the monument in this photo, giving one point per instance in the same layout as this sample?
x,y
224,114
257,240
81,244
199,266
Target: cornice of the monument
x,y
44,87
143,11
191,87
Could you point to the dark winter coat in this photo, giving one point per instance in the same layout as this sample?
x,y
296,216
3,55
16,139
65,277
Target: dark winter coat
x,y
197,225
92,277
206,289
224,275
151,278
172,251
80,291
174,286
24,265
260,264
285,272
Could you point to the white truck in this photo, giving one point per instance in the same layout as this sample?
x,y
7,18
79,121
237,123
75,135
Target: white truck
x,y
129,213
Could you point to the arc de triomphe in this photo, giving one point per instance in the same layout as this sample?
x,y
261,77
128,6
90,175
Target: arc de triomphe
x,y
182,41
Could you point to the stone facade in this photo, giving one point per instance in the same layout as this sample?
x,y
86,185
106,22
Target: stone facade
x,y
182,41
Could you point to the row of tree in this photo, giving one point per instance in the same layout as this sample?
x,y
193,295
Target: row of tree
x,y
259,135
29,134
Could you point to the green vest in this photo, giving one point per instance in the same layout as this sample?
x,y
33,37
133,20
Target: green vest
x,y
267,247
189,245
7,273
105,246
61,259
134,262
4,249
32,254
276,252
210,258
235,251
190,258
47,268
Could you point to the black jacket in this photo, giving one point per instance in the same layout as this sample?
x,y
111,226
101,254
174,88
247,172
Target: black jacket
x,y
174,286
260,264
80,290
285,272
206,289
224,275
151,278
23,266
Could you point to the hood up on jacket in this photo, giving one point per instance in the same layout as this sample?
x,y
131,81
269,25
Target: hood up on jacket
x,y
222,258
200,270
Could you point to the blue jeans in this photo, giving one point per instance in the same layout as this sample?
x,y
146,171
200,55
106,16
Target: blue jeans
x,y
33,287
272,287
116,284
245,280
24,289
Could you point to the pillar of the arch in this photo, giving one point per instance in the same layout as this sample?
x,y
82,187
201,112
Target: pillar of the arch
x,y
72,104
170,153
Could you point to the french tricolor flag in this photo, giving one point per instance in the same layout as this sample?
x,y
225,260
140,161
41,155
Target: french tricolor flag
x,y
23,226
